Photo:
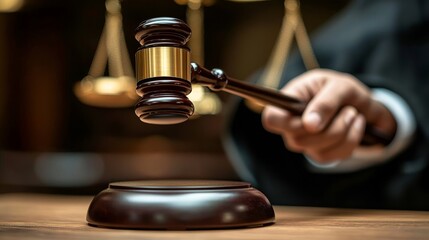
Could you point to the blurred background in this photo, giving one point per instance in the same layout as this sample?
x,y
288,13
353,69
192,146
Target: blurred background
x,y
52,141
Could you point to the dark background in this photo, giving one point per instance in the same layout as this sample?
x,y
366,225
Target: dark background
x,y
48,45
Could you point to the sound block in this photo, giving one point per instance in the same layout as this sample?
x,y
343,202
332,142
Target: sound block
x,y
180,205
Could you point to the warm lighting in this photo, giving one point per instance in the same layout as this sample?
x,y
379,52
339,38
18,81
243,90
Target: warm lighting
x,y
292,28
209,105
106,85
106,91
247,0
195,2
118,89
197,93
205,102
11,5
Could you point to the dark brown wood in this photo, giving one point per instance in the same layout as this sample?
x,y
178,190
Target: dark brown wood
x,y
180,205
179,185
163,100
217,80
173,32
163,31
46,217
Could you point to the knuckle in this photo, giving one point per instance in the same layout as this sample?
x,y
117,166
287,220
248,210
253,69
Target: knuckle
x,y
324,106
317,72
354,140
339,133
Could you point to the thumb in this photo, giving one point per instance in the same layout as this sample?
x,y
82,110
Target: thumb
x,y
322,108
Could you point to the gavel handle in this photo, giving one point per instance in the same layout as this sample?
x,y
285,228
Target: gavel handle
x,y
217,80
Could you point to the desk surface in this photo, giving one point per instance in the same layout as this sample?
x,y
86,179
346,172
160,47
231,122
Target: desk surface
x,y
30,216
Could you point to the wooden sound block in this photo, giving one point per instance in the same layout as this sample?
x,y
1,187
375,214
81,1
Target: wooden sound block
x,y
180,205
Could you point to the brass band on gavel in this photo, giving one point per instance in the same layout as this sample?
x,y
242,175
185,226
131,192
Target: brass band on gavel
x,y
163,62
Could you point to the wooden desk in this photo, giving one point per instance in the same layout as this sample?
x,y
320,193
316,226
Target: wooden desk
x,y
30,216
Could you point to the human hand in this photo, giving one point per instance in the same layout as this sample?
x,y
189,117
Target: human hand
x,y
333,123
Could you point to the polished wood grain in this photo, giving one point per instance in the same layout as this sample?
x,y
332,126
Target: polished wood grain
x,y
29,216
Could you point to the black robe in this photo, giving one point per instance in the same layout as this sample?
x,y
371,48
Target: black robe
x,y
385,44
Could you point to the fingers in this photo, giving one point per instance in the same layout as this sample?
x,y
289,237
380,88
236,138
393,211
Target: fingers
x,y
342,149
330,127
323,107
281,122
336,142
326,91
332,136
278,121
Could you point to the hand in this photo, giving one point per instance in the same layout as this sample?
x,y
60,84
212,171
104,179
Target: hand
x,y
333,123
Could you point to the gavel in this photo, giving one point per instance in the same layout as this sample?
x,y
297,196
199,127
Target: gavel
x,y
165,76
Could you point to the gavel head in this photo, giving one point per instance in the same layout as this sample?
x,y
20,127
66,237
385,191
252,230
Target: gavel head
x,y
163,71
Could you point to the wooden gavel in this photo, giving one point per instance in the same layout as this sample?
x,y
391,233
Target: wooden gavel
x,y
165,76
